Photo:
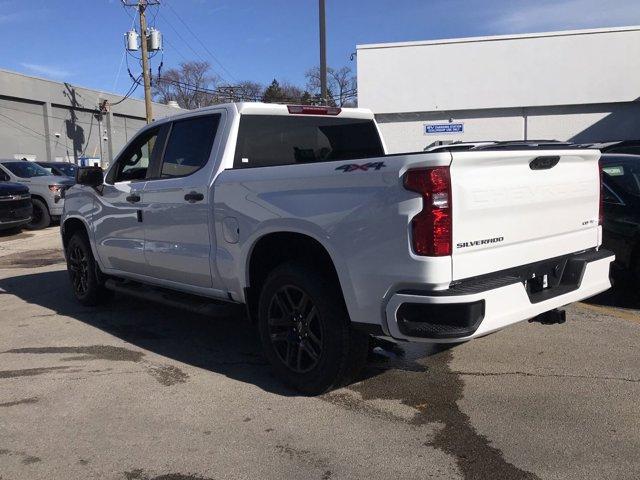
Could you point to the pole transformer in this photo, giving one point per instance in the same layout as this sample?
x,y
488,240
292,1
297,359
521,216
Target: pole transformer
x,y
323,54
149,40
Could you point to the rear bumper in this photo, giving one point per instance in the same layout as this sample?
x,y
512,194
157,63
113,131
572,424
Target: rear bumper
x,y
481,307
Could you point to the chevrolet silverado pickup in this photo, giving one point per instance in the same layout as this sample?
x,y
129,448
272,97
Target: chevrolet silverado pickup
x,y
298,213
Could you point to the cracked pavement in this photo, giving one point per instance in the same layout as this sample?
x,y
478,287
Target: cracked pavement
x,y
137,391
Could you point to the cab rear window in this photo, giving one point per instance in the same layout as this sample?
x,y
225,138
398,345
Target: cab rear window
x,y
271,140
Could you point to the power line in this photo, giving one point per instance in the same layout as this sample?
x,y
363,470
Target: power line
x,y
182,38
234,93
63,119
132,89
166,40
188,44
201,42
23,126
124,53
37,134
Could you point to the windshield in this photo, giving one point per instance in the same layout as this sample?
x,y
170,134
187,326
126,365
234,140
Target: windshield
x,y
24,169
624,175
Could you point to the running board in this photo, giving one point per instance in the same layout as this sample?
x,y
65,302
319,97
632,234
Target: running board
x,y
171,298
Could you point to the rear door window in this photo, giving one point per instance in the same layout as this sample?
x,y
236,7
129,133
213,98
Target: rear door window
x,y
189,145
270,140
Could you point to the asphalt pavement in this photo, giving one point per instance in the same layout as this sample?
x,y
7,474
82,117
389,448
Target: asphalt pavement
x,y
137,391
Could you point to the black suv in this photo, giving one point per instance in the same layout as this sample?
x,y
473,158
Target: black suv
x,y
15,205
621,201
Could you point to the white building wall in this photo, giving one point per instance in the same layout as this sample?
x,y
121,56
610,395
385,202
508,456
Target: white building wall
x,y
585,123
581,86
559,68
406,132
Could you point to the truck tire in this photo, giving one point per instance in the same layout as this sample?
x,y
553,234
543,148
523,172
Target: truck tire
x,y
306,332
40,218
83,272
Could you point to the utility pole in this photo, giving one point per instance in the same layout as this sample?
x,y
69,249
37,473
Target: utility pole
x,y
142,5
323,54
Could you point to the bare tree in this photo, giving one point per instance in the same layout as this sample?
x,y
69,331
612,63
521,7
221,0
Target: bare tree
x,y
341,85
192,85
291,93
249,91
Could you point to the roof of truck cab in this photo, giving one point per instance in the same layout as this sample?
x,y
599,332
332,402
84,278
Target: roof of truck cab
x,y
260,108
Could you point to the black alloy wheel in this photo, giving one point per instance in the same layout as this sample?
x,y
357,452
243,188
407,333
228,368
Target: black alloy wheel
x,y
78,265
295,329
84,274
305,329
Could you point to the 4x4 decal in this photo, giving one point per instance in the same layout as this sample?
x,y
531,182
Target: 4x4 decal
x,y
352,167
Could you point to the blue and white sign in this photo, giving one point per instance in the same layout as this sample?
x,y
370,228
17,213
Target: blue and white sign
x,y
443,128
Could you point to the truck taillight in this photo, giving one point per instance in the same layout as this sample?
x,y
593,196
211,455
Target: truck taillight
x,y
601,203
431,228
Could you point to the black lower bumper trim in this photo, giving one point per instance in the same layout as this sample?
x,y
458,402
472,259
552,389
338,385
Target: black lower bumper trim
x,y
440,320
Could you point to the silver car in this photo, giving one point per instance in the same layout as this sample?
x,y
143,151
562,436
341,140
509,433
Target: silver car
x,y
47,191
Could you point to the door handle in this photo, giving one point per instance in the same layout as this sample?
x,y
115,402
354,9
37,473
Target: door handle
x,y
193,197
133,198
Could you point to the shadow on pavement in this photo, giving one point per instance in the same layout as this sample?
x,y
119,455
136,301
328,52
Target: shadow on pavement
x,y
226,345
14,234
625,292
416,375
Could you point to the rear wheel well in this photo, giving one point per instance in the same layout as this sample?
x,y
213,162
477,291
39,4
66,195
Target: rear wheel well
x,y
277,248
69,228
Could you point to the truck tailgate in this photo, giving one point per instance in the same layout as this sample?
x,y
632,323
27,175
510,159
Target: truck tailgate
x,y
516,207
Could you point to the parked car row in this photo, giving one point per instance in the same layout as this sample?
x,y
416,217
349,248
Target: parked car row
x,y
32,193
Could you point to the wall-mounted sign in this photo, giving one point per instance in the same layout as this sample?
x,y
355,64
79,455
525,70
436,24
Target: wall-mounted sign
x,y
435,128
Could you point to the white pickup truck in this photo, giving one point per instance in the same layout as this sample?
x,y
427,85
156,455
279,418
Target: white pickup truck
x,y
298,213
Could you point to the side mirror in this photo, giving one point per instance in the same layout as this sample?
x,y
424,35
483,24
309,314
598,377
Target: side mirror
x,y
89,176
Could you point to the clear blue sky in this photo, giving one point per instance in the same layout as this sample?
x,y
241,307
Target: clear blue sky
x,y
81,41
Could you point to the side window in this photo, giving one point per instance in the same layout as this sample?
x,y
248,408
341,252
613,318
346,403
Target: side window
x,y
3,176
189,145
134,162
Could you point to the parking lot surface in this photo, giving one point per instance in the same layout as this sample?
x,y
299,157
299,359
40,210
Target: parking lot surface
x,y
137,391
